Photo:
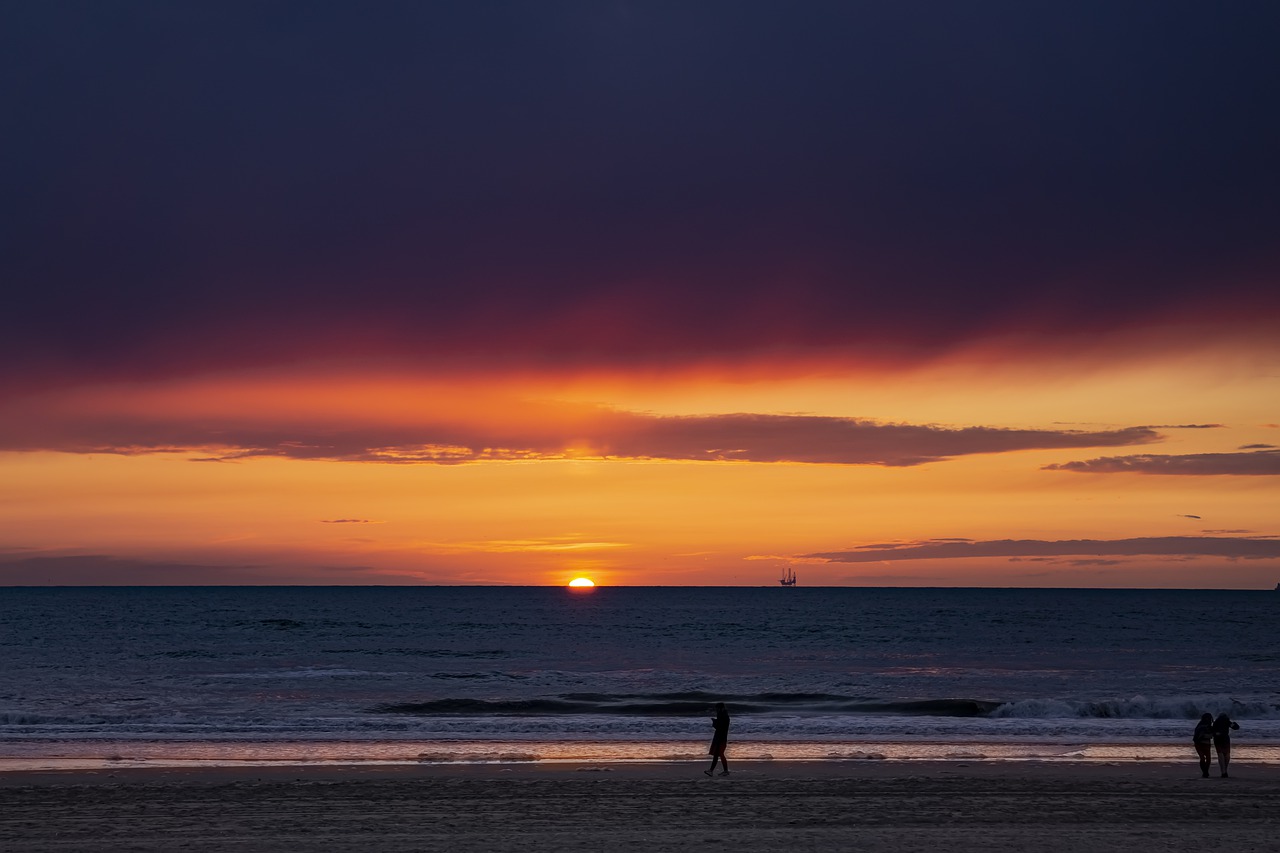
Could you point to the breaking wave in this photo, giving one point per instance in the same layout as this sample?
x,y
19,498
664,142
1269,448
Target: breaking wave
x,y
1138,707
694,704
688,705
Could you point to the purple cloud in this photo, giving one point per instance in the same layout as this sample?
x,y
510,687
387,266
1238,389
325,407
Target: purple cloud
x,y
565,184
1165,546
1256,463
112,570
601,434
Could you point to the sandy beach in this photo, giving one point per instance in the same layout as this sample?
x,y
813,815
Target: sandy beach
x,y
762,806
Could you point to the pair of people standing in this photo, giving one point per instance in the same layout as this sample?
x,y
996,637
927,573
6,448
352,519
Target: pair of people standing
x,y
1215,733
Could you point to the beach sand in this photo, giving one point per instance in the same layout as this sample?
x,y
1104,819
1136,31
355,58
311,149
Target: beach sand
x,y
762,806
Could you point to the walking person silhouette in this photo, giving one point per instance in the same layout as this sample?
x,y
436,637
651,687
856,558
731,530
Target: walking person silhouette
x,y
719,740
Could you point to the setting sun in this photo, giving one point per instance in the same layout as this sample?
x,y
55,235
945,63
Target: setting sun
x,y
582,583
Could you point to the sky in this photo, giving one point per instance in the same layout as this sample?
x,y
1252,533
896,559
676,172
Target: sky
x,y
655,293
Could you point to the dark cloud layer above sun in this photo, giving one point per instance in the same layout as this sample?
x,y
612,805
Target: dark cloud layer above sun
x,y
606,434
1158,546
229,184
1252,463
783,438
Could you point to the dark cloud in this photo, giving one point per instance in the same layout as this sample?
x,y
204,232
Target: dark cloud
x,y
607,434
1257,447
783,438
1257,463
346,521
574,181
1166,546
109,570
105,570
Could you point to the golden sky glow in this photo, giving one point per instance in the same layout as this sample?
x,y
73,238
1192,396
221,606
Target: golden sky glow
x,y
550,515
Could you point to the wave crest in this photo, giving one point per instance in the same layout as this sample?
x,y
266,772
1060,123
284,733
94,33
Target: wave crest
x,y
1137,707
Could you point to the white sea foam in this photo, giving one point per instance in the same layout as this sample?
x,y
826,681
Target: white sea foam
x,y
1144,707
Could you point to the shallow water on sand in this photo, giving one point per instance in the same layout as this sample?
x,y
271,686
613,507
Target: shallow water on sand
x,y
97,755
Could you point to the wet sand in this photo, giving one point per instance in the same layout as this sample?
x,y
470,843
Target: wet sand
x,y
762,806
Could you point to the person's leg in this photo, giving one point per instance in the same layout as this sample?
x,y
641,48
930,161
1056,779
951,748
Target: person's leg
x,y
1206,758
724,765
1224,758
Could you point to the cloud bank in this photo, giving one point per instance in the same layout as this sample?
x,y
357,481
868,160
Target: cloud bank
x,y
1255,463
113,570
603,435
1163,546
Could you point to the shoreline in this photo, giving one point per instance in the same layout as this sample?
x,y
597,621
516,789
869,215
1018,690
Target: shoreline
x,y
1243,771
112,755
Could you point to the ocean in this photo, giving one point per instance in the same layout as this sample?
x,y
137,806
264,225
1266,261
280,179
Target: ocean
x,y
96,677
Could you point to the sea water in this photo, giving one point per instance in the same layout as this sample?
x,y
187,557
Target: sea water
x,y
181,675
